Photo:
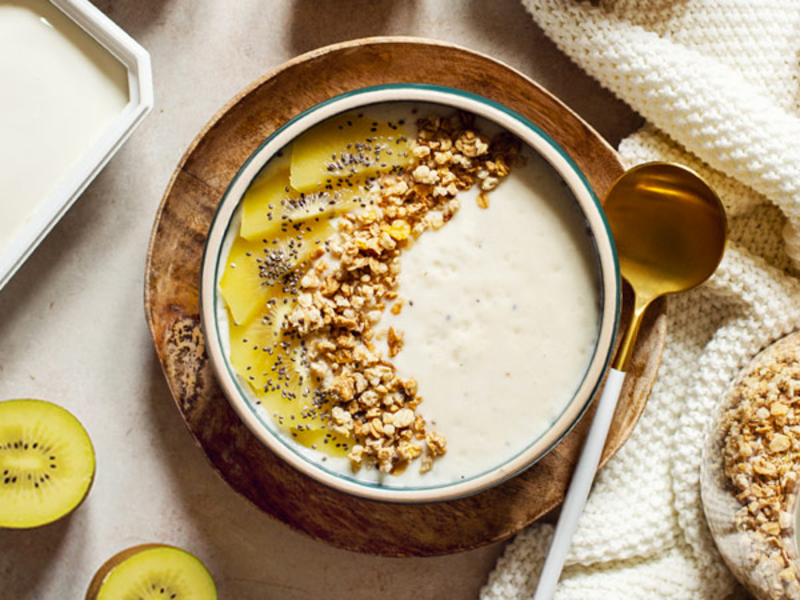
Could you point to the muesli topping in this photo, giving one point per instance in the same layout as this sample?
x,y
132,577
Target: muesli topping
x,y
353,278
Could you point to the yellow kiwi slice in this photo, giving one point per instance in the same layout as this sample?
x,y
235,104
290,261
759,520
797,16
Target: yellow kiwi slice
x,y
241,285
271,205
271,363
46,463
255,271
253,344
261,205
152,572
347,146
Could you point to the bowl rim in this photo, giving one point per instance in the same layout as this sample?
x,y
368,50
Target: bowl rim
x,y
582,193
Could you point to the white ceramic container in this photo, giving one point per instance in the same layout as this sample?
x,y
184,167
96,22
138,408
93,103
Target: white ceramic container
x,y
40,218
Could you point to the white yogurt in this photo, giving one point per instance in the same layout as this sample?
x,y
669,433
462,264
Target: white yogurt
x,y
500,319
59,90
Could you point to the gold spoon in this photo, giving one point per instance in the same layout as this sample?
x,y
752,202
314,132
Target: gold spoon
x,y
669,229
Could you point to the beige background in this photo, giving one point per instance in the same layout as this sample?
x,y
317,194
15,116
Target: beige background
x,y
72,325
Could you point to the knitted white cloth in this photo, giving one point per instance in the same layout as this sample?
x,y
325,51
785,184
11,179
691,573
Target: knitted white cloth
x,y
719,83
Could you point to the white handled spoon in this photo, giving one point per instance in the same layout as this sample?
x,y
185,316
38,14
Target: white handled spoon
x,y
670,231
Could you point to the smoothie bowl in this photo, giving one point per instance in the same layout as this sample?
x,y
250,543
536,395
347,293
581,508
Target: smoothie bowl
x,y
409,293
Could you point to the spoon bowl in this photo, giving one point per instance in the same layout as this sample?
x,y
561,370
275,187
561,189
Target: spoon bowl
x,y
669,228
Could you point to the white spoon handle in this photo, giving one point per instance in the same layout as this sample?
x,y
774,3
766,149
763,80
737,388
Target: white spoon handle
x,y
579,486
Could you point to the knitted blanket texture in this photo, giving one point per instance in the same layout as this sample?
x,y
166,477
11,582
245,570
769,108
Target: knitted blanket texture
x,y
718,82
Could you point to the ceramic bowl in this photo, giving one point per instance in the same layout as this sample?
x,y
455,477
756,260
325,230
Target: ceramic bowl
x,y
215,323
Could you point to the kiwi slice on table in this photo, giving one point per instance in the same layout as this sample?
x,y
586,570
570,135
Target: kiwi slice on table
x,y
47,463
152,572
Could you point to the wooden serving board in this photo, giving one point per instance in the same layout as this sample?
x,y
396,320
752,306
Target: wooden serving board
x,y
171,298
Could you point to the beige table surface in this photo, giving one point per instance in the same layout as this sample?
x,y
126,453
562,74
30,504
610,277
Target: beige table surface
x,y
72,325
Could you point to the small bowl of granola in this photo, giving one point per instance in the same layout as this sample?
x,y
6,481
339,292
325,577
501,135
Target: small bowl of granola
x,y
750,473
410,293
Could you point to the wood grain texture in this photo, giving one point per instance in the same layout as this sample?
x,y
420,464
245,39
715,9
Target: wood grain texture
x,y
171,302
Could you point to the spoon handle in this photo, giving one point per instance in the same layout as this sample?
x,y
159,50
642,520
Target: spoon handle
x,y
580,485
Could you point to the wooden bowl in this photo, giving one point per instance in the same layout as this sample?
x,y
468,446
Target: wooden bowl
x,y
172,282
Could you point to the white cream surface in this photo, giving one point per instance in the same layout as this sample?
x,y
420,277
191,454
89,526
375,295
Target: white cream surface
x,y
500,320
59,90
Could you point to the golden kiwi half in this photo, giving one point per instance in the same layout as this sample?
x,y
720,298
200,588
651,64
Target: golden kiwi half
x,y
152,572
47,463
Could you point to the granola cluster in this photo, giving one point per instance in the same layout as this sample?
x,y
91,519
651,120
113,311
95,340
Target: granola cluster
x,y
761,458
354,277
